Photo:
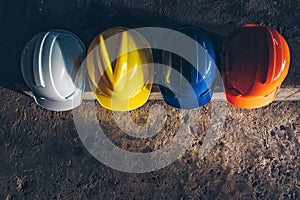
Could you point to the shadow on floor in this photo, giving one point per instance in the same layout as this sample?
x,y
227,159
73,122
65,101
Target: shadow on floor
x,y
29,17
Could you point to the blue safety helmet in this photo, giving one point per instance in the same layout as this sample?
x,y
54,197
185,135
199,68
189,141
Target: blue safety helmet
x,y
178,92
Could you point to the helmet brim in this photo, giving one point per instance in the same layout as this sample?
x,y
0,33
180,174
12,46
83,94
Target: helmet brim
x,y
131,103
251,102
64,105
188,103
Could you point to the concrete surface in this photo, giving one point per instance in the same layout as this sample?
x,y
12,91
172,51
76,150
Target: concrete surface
x,y
256,157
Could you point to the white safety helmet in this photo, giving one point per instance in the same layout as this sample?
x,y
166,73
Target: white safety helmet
x,y
50,66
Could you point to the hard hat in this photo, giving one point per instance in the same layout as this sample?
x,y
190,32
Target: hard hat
x,y
255,61
50,64
199,77
117,69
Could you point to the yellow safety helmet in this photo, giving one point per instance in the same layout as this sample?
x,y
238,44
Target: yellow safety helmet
x,y
119,73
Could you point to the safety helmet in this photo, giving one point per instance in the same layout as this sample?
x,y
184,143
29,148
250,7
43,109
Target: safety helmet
x,y
199,77
50,65
255,61
118,71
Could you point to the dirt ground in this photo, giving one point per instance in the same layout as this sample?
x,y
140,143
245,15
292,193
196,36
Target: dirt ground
x,y
42,157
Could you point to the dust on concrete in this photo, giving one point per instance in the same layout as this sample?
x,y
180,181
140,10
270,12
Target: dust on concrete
x,y
257,155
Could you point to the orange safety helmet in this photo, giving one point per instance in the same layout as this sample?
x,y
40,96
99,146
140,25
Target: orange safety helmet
x,y
255,62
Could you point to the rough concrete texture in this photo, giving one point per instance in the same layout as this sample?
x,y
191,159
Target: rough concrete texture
x,y
256,157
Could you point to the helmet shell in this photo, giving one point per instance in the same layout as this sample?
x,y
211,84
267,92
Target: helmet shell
x,y
50,65
255,61
120,74
199,77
